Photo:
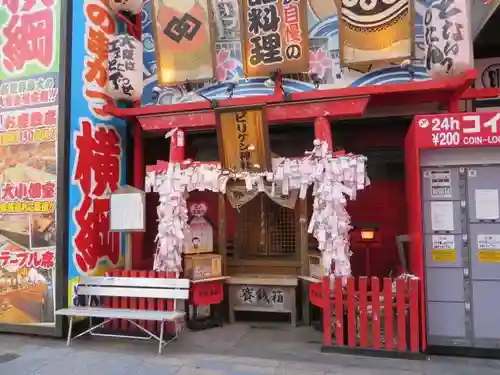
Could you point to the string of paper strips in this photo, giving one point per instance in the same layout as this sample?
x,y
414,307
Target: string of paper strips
x,y
335,178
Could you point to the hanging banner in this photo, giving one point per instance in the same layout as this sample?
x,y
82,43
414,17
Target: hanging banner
x,y
184,41
373,31
226,20
448,42
275,36
97,149
29,81
243,140
125,67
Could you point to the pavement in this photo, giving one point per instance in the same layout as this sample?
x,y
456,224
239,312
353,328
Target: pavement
x,y
240,349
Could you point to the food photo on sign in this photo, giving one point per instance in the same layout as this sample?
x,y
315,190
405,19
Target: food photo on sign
x,y
26,284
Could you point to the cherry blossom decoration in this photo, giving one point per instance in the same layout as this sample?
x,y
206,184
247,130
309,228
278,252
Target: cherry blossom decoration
x,y
132,6
319,62
225,65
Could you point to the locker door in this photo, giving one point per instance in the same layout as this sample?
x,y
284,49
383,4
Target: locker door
x,y
483,184
446,256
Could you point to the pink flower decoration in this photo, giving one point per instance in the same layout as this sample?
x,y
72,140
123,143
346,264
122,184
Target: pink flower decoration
x,y
319,62
225,64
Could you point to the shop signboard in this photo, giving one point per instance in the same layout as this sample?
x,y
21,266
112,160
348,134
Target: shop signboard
x,y
459,129
97,152
29,112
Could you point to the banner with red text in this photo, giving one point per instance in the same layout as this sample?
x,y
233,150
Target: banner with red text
x,y
29,64
97,152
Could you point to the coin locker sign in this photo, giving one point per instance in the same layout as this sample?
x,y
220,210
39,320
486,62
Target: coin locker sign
x,y
443,248
488,246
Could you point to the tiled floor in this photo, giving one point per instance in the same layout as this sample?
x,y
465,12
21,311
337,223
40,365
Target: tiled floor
x,y
239,349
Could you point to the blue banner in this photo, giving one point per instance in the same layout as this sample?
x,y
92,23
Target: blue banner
x,y
97,151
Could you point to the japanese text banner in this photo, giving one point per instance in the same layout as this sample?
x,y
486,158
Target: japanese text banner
x,y
244,140
275,36
379,30
448,41
184,43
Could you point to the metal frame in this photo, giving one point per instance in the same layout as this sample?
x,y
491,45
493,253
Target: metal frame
x,y
61,279
128,287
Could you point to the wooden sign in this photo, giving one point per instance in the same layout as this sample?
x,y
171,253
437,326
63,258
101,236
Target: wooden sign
x,y
275,36
244,140
127,210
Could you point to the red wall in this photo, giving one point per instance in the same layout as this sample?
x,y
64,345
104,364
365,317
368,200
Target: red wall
x,y
383,202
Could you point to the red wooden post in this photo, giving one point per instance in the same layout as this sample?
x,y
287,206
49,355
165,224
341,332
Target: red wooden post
x,y
151,303
414,318
388,331
115,303
339,311
351,313
363,312
124,304
142,300
327,312
375,285
323,131
401,313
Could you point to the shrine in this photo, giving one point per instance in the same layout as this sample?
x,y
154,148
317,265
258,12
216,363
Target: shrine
x,y
269,139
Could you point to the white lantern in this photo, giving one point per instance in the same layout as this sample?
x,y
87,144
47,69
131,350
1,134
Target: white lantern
x,y
448,42
125,80
132,6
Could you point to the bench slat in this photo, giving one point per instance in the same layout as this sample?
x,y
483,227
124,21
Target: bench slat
x,y
135,282
100,312
113,291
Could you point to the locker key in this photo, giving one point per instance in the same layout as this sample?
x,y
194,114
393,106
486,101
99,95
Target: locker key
x,y
464,237
463,203
466,272
467,306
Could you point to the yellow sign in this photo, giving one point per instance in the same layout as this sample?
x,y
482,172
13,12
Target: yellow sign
x,y
444,255
488,256
243,140
44,207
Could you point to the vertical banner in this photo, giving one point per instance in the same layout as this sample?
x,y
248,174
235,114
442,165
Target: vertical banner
x,y
448,42
244,140
29,66
375,31
275,36
97,150
184,42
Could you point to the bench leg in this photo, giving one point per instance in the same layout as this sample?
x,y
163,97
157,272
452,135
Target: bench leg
x,y
160,345
70,329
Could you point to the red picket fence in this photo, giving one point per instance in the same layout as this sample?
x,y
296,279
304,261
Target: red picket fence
x,y
139,303
361,314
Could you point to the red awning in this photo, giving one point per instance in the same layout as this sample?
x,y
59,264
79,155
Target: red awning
x,y
308,105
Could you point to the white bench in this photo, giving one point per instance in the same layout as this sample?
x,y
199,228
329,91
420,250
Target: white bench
x,y
172,289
